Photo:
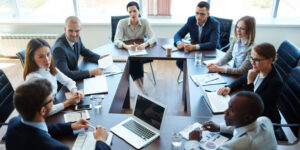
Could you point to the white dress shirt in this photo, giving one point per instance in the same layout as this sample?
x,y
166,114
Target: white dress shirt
x,y
62,78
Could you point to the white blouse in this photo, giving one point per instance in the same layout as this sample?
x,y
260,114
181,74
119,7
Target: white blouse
x,y
62,78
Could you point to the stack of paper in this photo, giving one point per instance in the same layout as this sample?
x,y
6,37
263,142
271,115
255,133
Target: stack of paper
x,y
96,85
207,79
86,141
76,115
105,62
137,52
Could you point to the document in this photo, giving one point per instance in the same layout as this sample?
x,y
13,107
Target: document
x,y
209,141
76,115
69,94
167,46
95,85
207,79
105,62
137,52
113,69
86,141
121,58
217,103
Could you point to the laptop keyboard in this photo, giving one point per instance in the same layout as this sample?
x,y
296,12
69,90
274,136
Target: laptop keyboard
x,y
138,129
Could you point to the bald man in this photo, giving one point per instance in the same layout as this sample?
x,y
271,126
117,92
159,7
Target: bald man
x,y
67,49
242,118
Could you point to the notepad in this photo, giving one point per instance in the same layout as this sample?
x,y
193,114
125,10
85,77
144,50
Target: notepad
x,y
167,46
76,115
137,52
95,85
207,79
105,62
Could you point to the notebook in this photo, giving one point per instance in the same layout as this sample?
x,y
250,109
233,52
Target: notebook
x,y
144,125
173,47
76,115
121,58
86,141
207,79
105,62
137,52
217,103
95,85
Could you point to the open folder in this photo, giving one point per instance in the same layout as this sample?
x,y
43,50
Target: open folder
x,y
95,85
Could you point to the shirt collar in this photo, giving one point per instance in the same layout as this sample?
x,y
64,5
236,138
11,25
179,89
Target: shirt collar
x,y
199,24
39,125
240,41
70,43
139,22
241,130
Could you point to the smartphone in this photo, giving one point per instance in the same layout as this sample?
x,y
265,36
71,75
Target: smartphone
x,y
83,107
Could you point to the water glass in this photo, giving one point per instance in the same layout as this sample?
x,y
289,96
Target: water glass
x,y
176,141
198,58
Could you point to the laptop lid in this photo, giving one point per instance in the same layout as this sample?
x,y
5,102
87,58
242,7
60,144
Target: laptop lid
x,y
149,111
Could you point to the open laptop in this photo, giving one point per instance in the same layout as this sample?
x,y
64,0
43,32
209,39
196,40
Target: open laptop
x,y
217,103
144,125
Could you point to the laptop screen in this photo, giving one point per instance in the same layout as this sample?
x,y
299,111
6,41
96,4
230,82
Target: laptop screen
x,y
149,111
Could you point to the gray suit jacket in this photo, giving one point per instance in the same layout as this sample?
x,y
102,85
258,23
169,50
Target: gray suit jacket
x,y
66,59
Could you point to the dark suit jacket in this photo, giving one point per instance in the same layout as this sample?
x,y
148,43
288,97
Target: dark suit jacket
x,y
21,136
269,90
209,37
66,60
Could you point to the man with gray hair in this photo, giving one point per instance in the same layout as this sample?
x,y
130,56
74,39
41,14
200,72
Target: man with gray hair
x,y
243,119
67,49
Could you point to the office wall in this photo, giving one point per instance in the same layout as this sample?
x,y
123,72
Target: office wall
x,y
95,35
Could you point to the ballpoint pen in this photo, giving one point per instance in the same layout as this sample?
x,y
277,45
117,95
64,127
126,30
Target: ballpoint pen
x,y
91,126
211,80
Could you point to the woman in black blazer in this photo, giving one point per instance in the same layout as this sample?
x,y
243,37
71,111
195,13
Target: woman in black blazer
x,y
263,79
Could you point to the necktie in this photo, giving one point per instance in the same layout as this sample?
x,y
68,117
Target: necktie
x,y
75,49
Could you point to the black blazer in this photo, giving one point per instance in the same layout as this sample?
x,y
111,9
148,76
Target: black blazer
x,y
66,59
21,136
269,90
209,37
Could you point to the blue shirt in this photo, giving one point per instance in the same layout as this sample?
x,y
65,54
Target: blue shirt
x,y
39,125
200,28
239,53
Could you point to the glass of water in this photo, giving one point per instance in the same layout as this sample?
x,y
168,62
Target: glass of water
x,y
176,141
198,58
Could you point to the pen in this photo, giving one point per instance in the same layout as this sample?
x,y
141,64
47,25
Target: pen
x,y
91,126
211,80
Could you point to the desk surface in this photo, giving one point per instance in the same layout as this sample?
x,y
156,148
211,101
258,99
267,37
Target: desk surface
x,y
198,109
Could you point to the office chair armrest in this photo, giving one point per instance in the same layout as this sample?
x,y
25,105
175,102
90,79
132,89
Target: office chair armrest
x,y
226,46
286,125
291,126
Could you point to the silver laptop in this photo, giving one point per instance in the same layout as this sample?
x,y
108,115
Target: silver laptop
x,y
144,125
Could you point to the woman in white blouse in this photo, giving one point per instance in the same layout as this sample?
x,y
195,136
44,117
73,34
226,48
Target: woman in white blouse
x,y
39,64
134,28
244,36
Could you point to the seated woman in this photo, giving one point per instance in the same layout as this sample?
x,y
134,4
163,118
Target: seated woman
x,y
239,50
134,28
263,79
39,64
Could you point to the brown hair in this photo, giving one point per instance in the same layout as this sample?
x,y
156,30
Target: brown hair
x,y
265,50
250,28
29,64
30,97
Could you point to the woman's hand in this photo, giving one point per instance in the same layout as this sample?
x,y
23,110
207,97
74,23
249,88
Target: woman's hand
x,y
251,75
224,91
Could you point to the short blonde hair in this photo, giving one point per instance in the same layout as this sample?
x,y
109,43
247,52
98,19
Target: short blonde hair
x,y
72,19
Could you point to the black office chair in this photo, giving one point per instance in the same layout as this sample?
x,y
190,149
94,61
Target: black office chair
x,y
114,24
289,104
288,57
225,30
6,97
21,55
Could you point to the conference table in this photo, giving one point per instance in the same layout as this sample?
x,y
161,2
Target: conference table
x,y
118,98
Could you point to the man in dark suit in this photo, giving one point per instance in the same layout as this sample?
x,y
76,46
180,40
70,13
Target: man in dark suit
x,y
67,49
33,101
203,29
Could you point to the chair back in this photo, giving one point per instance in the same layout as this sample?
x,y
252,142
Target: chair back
x,y
225,30
6,97
288,56
289,99
21,55
114,24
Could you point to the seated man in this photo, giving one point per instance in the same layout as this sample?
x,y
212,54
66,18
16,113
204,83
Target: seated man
x,y
251,132
68,47
203,29
33,101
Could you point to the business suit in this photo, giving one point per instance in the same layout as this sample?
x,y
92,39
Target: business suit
x,y
21,136
66,59
210,34
269,90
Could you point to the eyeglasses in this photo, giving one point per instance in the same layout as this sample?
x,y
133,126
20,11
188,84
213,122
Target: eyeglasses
x,y
256,60
240,28
201,14
47,102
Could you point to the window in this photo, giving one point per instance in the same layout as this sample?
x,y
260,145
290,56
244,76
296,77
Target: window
x,y
5,9
289,8
238,8
189,8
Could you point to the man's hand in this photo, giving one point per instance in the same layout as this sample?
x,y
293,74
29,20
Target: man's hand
x,y
97,71
80,124
180,45
211,126
195,135
189,47
103,56
251,75
100,134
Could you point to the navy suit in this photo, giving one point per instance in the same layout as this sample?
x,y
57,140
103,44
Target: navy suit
x,y
268,90
21,136
209,37
66,59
